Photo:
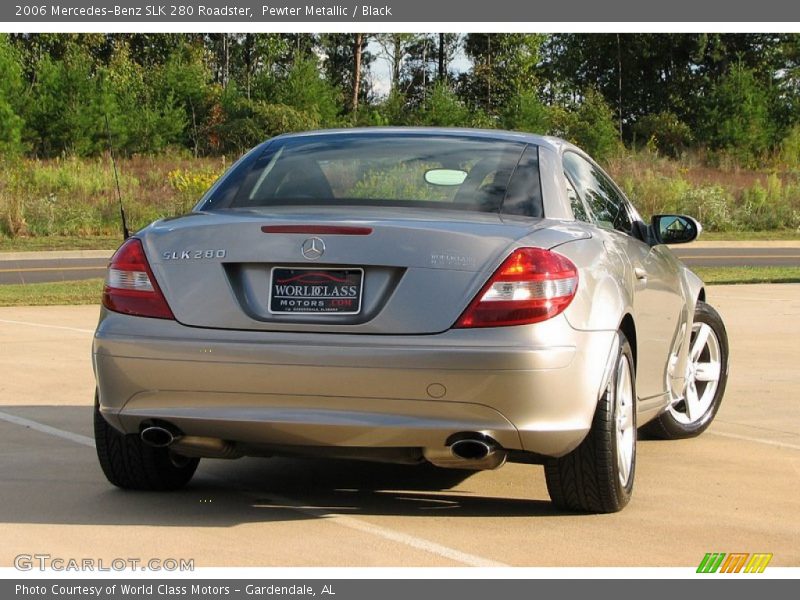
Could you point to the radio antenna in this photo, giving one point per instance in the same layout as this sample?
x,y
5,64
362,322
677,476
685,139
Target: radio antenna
x,y
125,233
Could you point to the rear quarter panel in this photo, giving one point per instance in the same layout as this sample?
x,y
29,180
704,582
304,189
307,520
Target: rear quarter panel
x,y
604,293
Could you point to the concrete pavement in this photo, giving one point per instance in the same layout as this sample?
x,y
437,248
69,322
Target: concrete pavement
x,y
734,489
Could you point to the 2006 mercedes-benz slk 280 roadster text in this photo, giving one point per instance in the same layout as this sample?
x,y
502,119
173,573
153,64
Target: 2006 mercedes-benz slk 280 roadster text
x,y
454,296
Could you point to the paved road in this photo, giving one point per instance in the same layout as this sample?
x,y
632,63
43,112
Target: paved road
x,y
734,489
41,269
738,256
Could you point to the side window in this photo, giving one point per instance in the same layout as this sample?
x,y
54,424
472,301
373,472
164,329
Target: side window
x,y
578,208
608,209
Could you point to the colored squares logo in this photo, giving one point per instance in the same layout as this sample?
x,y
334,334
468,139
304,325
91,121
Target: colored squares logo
x,y
734,562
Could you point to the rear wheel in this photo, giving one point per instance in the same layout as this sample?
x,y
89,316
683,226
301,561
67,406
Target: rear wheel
x,y
598,475
695,406
130,464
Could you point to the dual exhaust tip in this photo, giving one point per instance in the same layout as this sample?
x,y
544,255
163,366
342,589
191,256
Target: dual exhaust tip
x,y
473,450
158,437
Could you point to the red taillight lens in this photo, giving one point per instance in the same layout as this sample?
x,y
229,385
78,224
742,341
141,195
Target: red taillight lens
x,y
531,285
130,286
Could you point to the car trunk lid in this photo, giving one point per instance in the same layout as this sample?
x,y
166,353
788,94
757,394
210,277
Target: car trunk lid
x,y
416,269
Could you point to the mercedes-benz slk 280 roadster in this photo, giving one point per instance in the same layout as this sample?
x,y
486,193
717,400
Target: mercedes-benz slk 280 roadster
x,y
460,297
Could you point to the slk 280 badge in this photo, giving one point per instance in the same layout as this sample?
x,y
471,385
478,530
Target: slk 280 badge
x,y
193,254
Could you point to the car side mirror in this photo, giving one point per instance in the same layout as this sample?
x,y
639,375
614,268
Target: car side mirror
x,y
674,229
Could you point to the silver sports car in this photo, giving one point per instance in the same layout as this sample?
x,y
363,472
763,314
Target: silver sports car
x,y
460,297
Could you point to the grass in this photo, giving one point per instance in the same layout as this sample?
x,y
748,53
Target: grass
x,y
734,275
87,291
725,199
76,197
779,235
60,242
70,203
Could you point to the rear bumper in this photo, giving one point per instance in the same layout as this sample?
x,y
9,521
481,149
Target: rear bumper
x,y
532,388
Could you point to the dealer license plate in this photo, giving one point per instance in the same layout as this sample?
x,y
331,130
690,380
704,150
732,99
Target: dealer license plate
x,y
315,291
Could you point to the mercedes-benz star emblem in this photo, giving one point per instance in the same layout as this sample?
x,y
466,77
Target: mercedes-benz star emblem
x,y
313,248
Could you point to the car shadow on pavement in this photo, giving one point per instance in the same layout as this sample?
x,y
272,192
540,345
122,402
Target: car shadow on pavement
x,y
321,487
48,479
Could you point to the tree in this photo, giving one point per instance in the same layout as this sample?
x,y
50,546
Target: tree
x,y
11,97
248,122
262,53
154,49
68,107
57,46
665,131
503,65
142,121
304,89
395,48
421,69
737,115
526,112
588,123
339,52
444,109
650,73
358,47
184,79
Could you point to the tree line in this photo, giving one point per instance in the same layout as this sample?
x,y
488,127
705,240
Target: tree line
x,y
735,96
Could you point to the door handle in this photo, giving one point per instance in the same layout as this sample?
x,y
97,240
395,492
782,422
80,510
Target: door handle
x,y
640,273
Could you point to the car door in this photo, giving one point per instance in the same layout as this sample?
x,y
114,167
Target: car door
x,y
652,273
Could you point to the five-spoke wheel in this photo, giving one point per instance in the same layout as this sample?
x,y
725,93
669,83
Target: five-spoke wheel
x,y
697,399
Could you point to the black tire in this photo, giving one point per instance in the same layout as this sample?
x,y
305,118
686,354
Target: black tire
x,y
130,464
588,478
666,426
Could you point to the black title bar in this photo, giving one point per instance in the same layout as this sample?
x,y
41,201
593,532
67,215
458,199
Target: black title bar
x,y
390,11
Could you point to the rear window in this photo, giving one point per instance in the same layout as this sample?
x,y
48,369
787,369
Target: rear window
x,y
391,170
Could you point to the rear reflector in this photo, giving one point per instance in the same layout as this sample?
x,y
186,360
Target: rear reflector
x,y
531,285
317,229
130,286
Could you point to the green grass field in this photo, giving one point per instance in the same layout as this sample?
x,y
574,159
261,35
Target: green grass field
x,y
736,275
47,294
743,236
59,242
70,203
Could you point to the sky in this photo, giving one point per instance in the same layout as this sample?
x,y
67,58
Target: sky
x,y
381,69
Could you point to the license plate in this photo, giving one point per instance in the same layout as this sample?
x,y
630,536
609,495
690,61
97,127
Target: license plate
x,y
315,291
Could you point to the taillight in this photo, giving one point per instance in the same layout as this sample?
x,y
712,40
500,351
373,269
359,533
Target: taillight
x,y
531,285
130,286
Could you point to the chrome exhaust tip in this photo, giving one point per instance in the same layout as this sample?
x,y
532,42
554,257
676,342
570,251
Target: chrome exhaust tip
x,y
471,449
157,437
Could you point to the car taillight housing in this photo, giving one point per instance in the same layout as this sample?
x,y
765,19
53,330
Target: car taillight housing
x,y
130,286
532,285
